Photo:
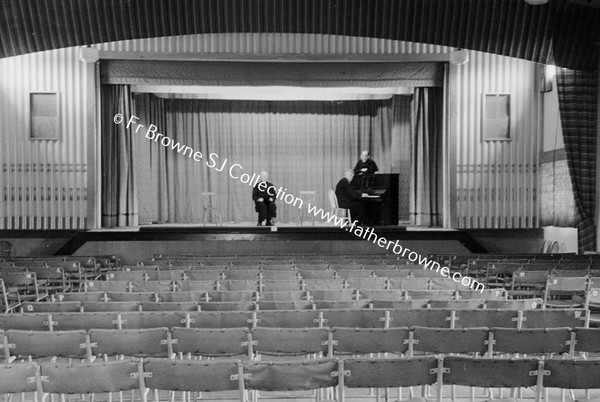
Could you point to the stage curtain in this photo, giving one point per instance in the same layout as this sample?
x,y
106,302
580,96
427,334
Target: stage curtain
x,y
578,105
303,145
426,157
119,194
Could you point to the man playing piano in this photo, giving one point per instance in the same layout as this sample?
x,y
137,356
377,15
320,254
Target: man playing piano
x,y
350,198
365,165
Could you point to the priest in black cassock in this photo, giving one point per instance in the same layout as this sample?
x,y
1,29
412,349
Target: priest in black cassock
x,y
365,165
350,198
263,195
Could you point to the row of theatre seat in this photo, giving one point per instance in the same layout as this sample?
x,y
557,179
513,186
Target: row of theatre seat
x,y
325,341
374,318
262,305
333,375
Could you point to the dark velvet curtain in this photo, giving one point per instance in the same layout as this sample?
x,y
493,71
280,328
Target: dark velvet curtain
x,y
426,157
119,194
578,105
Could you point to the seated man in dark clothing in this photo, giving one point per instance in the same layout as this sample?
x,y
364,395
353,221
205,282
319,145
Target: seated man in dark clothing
x,y
350,198
263,195
365,165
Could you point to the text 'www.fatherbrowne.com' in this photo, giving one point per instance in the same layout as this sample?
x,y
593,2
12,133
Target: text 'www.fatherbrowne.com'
x,y
237,172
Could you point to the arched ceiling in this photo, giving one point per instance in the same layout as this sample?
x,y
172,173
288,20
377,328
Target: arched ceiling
x,y
561,32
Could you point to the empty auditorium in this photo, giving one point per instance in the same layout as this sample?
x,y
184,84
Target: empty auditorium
x,y
300,200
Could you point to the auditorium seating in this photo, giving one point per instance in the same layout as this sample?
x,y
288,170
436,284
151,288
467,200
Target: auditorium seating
x,y
324,307
237,378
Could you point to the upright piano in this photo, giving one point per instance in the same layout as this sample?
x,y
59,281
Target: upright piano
x,y
381,190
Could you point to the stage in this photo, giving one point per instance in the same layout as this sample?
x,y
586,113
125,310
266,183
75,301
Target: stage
x,y
139,242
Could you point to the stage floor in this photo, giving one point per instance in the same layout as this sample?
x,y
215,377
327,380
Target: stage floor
x,y
235,226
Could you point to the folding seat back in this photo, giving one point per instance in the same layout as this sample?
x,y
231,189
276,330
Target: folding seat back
x,y
280,286
235,286
424,318
227,306
486,318
431,295
27,321
572,374
152,319
90,378
410,283
388,373
130,296
84,296
345,267
193,286
191,375
395,273
290,341
381,295
522,304
130,342
334,304
439,283
19,378
38,344
44,307
369,340
276,266
245,262
241,275
366,283
553,318
127,276
446,340
85,321
169,306
110,306
587,340
107,286
457,304
487,294
423,273
153,286
569,273
367,261
291,376
166,275
334,294
203,275
354,273
311,265
211,342
279,275
532,341
289,296
399,304
323,284
494,373
286,305
251,268
288,319
220,319
317,274
354,318
213,267
232,296
183,296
